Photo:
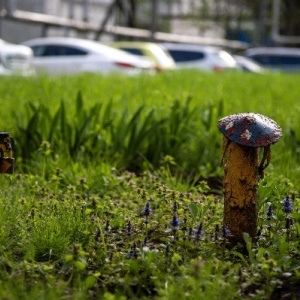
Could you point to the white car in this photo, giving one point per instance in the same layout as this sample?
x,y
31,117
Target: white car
x,y
276,58
61,55
207,58
15,59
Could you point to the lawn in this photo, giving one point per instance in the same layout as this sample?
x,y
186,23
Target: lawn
x,y
117,190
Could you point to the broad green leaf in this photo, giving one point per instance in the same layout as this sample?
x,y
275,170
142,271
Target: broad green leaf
x,y
194,211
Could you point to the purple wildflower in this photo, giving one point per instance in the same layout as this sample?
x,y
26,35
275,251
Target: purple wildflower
x,y
175,221
132,254
147,210
226,232
287,205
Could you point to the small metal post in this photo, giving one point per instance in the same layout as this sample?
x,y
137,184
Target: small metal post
x,y
154,13
7,161
70,16
85,6
244,133
11,7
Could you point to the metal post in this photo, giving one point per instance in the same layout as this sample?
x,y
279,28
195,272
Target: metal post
x,y
275,19
244,133
106,19
71,16
153,26
11,7
262,21
6,154
85,7
2,7
71,9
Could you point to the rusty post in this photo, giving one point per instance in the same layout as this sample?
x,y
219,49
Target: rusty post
x,y
6,153
244,133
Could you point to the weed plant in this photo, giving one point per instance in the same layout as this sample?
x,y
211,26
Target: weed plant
x,y
135,237
108,199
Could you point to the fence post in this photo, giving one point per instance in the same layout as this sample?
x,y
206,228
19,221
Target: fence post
x,y
11,7
153,26
85,6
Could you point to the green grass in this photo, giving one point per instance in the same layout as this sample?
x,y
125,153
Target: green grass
x,y
133,123
71,217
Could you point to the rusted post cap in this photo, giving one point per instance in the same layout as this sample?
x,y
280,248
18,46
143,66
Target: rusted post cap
x,y
250,129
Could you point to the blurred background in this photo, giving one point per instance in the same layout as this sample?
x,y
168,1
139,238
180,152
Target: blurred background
x,y
255,22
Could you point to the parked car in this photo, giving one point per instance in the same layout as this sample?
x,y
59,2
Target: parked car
x,y
155,52
207,58
276,58
60,55
15,59
248,65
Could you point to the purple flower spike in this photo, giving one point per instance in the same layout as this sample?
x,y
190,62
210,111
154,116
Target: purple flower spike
x,y
287,205
175,222
226,232
147,210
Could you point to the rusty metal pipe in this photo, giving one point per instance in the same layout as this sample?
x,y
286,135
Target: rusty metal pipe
x,y
6,153
244,134
240,189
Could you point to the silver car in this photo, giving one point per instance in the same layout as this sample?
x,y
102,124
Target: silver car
x,y
60,55
206,58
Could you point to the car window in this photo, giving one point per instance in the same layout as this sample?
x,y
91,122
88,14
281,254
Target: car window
x,y
277,60
133,51
38,50
56,50
184,55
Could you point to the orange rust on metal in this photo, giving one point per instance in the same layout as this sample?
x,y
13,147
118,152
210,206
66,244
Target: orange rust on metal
x,y
240,188
7,165
6,153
